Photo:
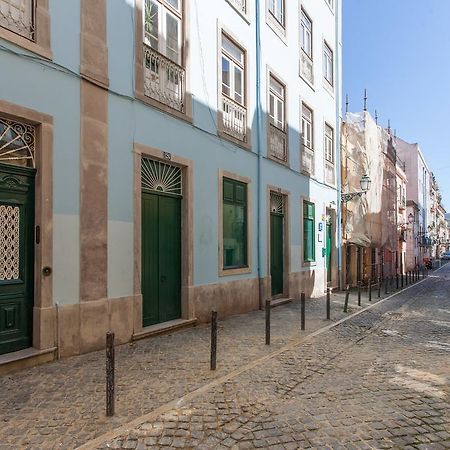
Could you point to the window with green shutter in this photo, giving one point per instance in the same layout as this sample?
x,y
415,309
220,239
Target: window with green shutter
x,y
234,224
309,253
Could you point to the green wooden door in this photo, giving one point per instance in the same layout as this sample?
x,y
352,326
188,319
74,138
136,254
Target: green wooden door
x,y
329,250
276,253
161,258
16,257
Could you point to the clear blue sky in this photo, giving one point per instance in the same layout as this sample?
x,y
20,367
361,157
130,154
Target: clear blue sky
x,y
400,51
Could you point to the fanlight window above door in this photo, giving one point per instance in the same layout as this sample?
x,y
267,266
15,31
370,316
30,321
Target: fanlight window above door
x,y
17,143
276,203
161,177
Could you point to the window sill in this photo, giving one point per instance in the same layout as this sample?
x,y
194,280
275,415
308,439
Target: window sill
x,y
25,43
277,28
245,16
238,271
307,81
328,87
237,142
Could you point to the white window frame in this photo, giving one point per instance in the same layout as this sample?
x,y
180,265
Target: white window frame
x,y
164,9
307,127
277,100
234,64
275,13
305,31
329,143
330,3
328,63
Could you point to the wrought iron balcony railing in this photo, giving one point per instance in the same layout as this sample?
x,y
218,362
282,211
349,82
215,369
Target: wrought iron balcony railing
x,y
164,80
234,119
306,67
18,17
240,5
277,143
330,173
308,165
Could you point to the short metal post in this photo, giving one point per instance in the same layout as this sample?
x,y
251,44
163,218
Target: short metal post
x,y
110,366
379,287
370,289
328,304
359,293
402,281
213,362
397,281
386,286
347,295
302,310
268,307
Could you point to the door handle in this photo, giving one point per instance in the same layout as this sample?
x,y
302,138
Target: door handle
x,y
163,278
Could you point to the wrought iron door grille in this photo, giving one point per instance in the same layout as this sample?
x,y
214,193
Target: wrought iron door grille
x,y
161,177
276,203
16,143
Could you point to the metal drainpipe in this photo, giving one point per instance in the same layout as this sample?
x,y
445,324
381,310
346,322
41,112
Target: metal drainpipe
x,y
338,144
258,140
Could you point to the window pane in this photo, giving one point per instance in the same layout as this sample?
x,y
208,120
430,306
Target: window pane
x,y
272,106
238,85
280,113
276,87
172,31
174,3
151,18
233,50
234,246
225,76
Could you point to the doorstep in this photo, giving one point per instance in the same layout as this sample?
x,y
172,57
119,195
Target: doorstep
x,y
29,357
164,328
280,301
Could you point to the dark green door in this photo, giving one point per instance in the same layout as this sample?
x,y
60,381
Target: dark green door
x,y
276,253
328,250
161,258
16,257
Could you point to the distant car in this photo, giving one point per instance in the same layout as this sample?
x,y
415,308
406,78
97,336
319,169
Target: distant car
x,y
445,255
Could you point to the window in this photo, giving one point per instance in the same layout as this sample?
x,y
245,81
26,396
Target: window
x,y
309,251
163,28
306,34
234,224
329,144
276,103
233,89
328,64
307,127
240,5
276,10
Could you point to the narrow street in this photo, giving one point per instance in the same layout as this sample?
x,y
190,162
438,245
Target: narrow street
x,y
378,380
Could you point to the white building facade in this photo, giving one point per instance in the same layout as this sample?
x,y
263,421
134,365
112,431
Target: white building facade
x,y
174,158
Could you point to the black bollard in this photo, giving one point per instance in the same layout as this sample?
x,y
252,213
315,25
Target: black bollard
x,y
359,293
302,310
347,295
386,286
268,307
379,287
397,281
402,284
328,304
110,366
213,362
370,289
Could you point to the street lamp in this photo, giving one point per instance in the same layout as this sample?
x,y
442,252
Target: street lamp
x,y
365,183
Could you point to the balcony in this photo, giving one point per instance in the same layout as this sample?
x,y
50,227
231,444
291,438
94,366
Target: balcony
x,y
18,17
240,5
306,67
330,177
308,165
234,118
164,80
277,143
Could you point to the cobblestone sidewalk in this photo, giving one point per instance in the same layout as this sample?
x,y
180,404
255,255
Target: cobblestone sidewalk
x,y
379,380
61,404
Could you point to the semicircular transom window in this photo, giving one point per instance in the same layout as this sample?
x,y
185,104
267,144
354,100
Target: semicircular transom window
x,y
17,143
161,177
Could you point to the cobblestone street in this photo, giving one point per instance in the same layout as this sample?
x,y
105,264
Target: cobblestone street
x,y
378,380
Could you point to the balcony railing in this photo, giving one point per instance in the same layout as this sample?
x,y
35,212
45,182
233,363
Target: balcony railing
x,y
240,5
308,160
234,119
164,80
306,67
330,173
277,143
18,17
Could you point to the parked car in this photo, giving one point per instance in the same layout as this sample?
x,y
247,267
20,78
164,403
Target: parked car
x,y
445,255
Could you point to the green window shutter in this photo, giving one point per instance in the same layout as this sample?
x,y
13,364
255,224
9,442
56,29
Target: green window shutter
x,y
309,249
234,224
